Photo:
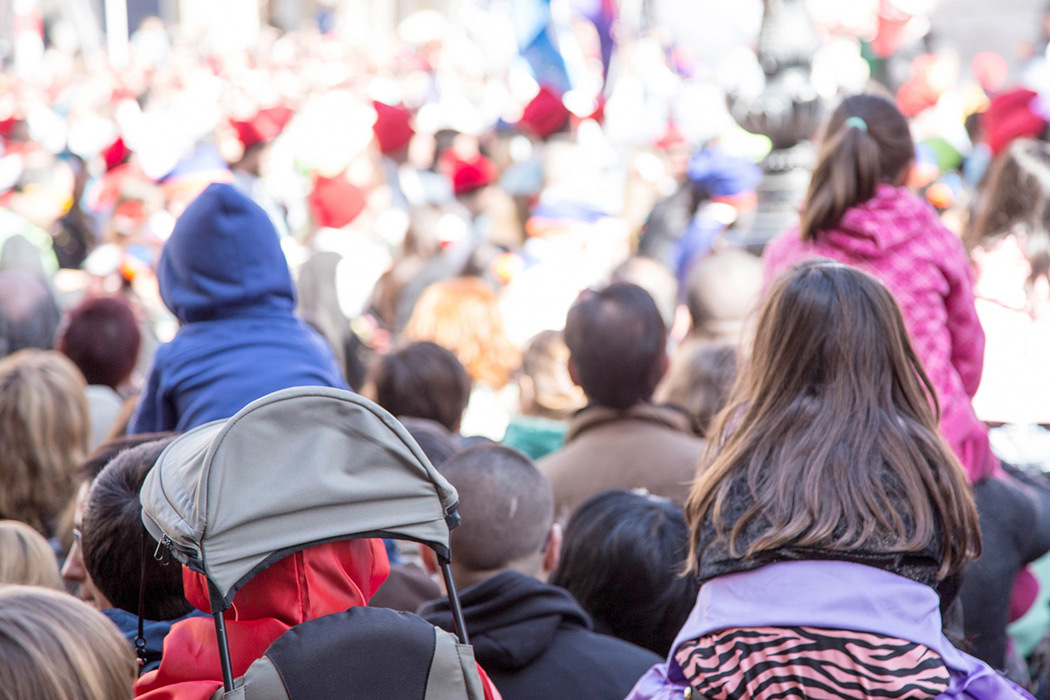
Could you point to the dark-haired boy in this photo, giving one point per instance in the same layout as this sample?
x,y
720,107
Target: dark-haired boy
x,y
119,553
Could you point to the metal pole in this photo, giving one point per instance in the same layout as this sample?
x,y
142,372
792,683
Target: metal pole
x,y
218,605
224,652
453,601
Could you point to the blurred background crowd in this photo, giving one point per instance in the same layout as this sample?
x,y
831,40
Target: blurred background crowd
x,y
446,178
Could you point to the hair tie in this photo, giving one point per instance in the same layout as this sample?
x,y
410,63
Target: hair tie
x,y
857,122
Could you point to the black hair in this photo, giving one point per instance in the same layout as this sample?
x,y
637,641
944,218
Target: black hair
x,y
422,380
622,559
616,341
107,451
118,551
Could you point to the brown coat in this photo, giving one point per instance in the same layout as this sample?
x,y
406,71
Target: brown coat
x,y
646,446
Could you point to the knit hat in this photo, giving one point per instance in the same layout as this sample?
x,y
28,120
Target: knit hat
x,y
116,153
468,175
990,70
718,174
264,126
545,114
335,201
1011,116
392,128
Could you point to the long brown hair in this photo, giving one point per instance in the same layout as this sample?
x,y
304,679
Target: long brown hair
x,y
866,142
1015,198
831,429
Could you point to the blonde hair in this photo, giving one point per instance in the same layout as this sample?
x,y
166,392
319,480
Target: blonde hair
x,y
463,315
547,388
55,647
44,432
26,557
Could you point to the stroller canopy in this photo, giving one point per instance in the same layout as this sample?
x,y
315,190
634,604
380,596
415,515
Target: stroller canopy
x,y
295,468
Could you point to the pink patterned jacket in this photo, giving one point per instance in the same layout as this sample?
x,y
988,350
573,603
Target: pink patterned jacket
x,y
897,237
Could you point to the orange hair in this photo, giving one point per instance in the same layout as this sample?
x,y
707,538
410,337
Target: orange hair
x,y
463,315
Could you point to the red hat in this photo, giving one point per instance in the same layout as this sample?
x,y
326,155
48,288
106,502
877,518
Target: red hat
x,y
265,126
393,128
468,175
7,126
1010,116
546,114
115,153
990,69
672,137
335,201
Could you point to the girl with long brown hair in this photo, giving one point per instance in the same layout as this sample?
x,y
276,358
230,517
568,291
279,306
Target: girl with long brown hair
x,y
1009,241
859,212
829,520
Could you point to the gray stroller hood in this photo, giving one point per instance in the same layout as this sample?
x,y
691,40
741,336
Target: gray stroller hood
x,y
295,468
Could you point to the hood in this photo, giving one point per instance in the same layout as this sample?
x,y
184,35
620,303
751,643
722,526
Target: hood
x,y
511,618
894,215
314,582
224,259
308,584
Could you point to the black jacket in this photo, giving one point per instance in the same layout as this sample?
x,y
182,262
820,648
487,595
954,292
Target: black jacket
x,y
536,643
1015,530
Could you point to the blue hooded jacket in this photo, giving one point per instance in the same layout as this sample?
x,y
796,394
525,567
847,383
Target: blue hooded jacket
x,y
224,276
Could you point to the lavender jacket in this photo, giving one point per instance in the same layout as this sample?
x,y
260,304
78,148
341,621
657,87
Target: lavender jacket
x,y
833,594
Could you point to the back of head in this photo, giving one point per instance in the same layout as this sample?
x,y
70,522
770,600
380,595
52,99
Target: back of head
x,y
866,142
29,314
654,278
43,435
102,338
104,453
26,558
55,647
463,315
507,509
722,293
437,443
700,379
118,552
1015,198
622,559
421,380
616,341
547,389
829,423
223,257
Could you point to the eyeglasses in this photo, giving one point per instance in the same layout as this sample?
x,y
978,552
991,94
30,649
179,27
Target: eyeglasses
x,y
79,537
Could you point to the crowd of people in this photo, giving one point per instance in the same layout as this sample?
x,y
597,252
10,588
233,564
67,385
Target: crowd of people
x,y
687,466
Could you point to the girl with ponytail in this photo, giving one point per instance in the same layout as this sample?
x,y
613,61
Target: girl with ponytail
x,y
858,212
829,520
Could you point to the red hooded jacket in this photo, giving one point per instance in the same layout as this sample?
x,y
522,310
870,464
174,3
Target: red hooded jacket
x,y
318,581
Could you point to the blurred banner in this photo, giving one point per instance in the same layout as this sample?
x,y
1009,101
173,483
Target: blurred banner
x,y
537,43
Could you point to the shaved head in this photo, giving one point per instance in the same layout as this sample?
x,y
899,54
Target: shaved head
x,y
506,507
